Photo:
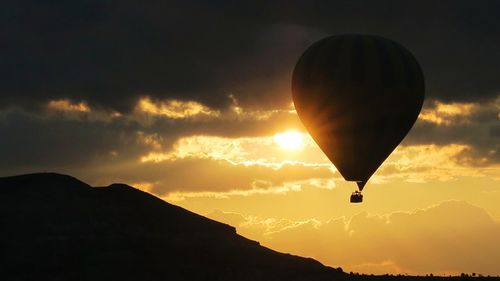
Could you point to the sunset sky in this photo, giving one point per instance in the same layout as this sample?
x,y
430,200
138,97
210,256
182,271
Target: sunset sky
x,y
192,103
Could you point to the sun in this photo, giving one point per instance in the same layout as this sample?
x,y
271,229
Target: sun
x,y
290,140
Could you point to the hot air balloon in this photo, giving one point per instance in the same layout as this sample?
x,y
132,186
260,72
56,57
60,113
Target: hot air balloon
x,y
358,96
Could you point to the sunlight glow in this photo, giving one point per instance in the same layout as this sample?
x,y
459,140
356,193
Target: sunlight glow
x,y
290,140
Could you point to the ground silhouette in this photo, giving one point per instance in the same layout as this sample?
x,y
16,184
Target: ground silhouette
x,y
55,227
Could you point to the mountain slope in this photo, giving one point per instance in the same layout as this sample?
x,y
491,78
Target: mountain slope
x,y
55,227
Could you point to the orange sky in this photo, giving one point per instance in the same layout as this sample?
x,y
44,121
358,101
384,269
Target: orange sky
x,y
430,208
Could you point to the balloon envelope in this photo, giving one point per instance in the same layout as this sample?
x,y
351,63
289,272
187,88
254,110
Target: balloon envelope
x,y
358,96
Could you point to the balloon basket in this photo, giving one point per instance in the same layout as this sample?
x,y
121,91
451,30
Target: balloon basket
x,y
356,197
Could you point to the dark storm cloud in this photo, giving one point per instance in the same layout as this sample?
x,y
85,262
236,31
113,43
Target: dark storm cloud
x,y
108,53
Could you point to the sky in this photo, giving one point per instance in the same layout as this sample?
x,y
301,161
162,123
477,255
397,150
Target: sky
x,y
191,101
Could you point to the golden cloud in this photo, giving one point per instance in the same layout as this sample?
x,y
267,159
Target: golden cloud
x,y
65,108
240,113
258,187
422,163
264,151
152,140
68,106
227,167
144,186
175,109
416,163
319,178
402,242
448,113
202,175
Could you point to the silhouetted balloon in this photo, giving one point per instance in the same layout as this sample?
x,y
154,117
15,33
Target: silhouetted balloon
x,y
358,96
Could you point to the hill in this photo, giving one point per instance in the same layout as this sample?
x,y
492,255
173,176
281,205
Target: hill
x,y
55,227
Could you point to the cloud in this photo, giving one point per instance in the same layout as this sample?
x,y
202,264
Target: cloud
x,y
61,141
188,175
110,54
175,109
469,124
448,114
457,114
81,135
102,146
495,131
265,150
66,105
447,238
98,73
423,163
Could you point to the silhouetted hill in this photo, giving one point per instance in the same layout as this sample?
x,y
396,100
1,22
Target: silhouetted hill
x,y
55,227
